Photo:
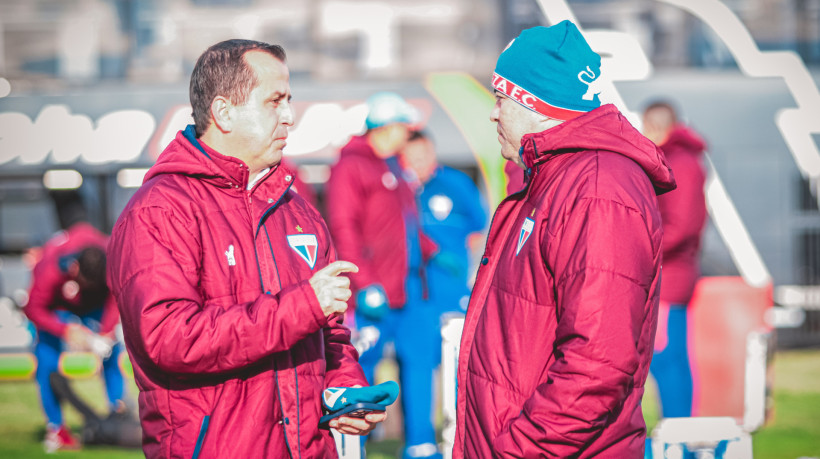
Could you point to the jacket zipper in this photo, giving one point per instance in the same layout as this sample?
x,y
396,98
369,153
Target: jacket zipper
x,y
203,429
256,233
285,420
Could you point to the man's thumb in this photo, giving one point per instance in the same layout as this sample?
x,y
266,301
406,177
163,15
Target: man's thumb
x,y
338,267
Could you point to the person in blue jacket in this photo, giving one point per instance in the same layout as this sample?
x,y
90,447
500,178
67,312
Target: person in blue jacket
x,y
452,213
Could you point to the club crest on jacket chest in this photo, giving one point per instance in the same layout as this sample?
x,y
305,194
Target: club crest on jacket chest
x,y
524,233
306,246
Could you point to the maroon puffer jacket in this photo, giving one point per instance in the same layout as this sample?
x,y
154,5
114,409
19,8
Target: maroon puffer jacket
x,y
231,350
365,206
559,332
684,215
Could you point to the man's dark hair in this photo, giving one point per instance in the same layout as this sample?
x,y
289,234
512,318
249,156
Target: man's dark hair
x,y
222,71
419,134
92,266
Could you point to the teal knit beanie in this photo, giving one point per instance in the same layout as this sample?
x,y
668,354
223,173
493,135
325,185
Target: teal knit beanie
x,y
550,70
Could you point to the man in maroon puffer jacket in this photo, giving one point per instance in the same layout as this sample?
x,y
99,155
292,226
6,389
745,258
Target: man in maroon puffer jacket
x,y
225,278
684,218
558,336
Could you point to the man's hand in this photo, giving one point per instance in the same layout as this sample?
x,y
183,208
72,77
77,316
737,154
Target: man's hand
x,y
358,426
331,289
78,337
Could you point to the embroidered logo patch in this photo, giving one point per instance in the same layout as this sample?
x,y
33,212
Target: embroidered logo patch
x,y
332,394
526,230
229,255
306,246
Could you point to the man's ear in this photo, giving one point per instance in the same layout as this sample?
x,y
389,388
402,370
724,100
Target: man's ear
x,y
221,111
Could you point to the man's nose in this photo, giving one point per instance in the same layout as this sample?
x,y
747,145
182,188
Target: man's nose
x,y
495,111
287,115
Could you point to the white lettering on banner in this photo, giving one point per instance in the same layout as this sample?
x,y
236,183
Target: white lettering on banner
x,y
324,124
119,136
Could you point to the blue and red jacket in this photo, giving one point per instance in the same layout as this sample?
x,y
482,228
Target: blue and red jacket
x,y
367,205
53,288
559,332
230,348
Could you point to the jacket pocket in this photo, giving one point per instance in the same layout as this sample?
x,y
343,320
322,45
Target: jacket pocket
x,y
200,439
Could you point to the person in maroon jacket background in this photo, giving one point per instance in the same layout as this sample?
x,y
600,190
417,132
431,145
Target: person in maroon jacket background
x,y
227,280
374,221
684,217
558,336
71,306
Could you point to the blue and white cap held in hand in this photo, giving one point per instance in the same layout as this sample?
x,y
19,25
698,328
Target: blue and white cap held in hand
x,y
550,70
336,398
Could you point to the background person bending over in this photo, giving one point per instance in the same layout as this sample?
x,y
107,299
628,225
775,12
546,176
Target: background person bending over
x,y
230,297
70,306
684,216
558,336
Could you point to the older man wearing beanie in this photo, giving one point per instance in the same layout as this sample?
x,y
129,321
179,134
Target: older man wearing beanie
x,y
559,331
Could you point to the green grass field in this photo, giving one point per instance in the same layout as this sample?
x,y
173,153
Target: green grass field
x,y
793,431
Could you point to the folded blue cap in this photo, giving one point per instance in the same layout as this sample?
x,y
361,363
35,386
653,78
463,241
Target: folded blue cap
x,y
336,398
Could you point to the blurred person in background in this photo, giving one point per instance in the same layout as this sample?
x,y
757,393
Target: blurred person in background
x,y
558,336
452,211
71,307
372,214
684,217
230,297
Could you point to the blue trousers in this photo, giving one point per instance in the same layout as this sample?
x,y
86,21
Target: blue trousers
x,y
670,366
47,350
414,331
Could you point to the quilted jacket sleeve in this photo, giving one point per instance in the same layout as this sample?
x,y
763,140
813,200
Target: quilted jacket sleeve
x,y
154,275
604,262
345,198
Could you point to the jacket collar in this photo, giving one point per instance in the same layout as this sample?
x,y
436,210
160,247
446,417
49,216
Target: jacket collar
x,y
234,170
604,128
186,155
